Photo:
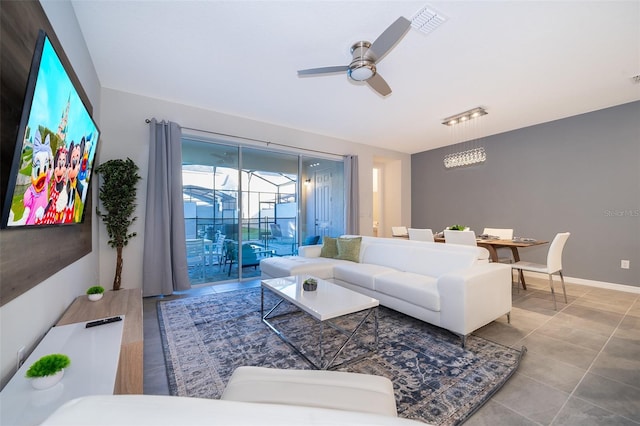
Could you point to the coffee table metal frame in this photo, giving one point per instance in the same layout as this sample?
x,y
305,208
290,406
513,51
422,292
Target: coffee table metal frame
x,y
319,313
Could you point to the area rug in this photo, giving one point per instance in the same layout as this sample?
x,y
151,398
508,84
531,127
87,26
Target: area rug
x,y
435,380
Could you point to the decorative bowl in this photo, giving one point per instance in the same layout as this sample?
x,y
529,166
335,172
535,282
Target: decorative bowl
x,y
95,297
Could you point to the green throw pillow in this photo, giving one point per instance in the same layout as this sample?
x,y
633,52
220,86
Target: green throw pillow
x,y
349,249
329,247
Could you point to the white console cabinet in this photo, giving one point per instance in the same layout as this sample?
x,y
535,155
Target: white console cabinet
x,y
94,354
105,360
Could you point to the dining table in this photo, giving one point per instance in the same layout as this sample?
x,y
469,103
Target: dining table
x,y
493,244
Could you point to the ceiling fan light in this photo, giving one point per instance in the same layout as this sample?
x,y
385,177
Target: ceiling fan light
x,y
362,73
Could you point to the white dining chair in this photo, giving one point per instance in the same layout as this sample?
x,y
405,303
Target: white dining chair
x,y
399,231
421,234
467,238
553,266
502,234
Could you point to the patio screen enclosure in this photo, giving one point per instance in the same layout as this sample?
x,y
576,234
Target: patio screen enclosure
x,y
242,204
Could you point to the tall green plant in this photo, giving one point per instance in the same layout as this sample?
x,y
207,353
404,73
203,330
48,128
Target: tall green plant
x,y
118,197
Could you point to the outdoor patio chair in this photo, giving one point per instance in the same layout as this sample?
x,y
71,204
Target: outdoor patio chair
x,y
217,249
195,256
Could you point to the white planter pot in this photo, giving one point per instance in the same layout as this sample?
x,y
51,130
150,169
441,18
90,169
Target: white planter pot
x,y
46,382
94,297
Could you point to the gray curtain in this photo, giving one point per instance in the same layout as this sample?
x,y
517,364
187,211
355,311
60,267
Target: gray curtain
x,y
352,202
165,259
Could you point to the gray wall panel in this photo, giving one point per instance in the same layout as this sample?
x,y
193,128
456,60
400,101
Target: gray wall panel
x,y
580,174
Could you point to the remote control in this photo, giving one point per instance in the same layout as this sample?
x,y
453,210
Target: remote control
x,y
103,321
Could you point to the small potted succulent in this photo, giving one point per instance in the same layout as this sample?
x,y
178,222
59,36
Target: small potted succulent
x,y
310,284
457,228
95,293
48,370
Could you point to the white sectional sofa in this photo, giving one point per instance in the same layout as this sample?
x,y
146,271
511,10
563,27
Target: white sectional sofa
x,y
450,286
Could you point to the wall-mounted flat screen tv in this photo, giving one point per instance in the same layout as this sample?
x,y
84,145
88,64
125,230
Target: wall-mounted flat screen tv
x,y
55,148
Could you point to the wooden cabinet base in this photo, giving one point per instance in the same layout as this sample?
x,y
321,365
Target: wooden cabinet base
x,y
127,302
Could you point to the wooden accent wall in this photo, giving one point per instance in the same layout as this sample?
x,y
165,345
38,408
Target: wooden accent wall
x,y
29,256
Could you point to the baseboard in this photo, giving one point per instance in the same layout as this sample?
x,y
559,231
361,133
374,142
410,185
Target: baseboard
x,y
590,283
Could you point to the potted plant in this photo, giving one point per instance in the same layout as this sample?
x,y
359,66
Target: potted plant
x,y
457,228
118,197
48,370
310,284
95,293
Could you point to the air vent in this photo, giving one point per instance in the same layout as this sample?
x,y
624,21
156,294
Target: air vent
x,y
636,78
427,20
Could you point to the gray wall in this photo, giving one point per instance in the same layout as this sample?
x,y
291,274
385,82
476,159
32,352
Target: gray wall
x,y
580,174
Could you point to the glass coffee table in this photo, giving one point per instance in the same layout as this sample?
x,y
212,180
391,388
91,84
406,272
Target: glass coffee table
x,y
329,302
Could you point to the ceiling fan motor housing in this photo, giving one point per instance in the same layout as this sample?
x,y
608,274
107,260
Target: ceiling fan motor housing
x,y
362,67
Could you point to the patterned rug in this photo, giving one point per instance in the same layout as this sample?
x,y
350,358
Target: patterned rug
x,y
436,381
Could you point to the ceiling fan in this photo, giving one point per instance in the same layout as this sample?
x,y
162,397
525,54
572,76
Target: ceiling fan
x,y
365,57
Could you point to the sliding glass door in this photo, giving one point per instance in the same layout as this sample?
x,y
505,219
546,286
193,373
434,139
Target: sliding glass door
x,y
211,188
243,204
270,200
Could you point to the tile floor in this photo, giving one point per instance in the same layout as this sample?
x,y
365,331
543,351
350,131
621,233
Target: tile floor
x,y
582,365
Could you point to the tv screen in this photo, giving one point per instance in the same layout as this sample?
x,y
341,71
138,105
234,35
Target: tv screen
x,y
55,148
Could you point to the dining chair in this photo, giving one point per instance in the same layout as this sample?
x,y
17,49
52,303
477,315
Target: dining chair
x,y
195,255
467,238
420,234
553,266
503,234
399,231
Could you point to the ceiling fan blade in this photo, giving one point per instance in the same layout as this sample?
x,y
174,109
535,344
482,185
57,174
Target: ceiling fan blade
x,y
389,38
378,84
323,70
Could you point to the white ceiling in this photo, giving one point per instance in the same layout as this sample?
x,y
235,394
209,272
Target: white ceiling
x,y
526,62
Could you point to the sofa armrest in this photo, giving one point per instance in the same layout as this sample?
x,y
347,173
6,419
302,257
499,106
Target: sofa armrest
x,y
310,251
472,298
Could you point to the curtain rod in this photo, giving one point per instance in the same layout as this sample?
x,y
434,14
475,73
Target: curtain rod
x,y
255,140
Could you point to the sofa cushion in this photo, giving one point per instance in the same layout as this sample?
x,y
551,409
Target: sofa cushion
x,y
349,249
294,265
329,247
420,290
360,274
419,259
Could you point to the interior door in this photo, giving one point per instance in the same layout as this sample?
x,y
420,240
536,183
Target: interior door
x,y
323,202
